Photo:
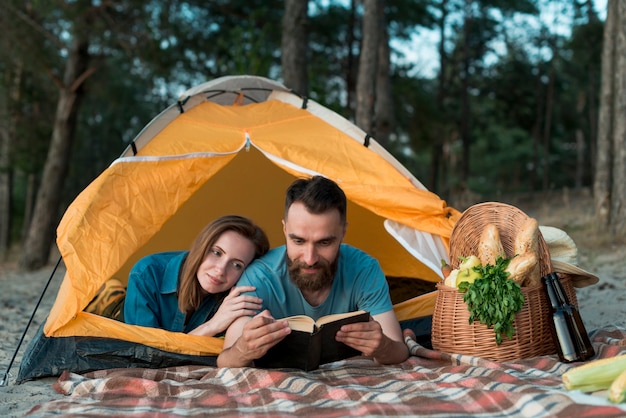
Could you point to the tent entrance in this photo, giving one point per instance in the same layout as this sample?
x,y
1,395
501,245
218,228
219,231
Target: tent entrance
x,y
253,186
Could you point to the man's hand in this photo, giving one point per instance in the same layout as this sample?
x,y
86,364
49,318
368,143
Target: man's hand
x,y
234,306
369,339
366,337
249,339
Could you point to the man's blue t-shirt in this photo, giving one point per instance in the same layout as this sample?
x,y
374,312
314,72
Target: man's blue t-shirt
x,y
359,283
151,296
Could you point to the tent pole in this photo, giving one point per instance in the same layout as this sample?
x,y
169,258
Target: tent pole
x,y
5,378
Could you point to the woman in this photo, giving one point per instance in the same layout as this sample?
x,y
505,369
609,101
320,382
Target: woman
x,y
193,291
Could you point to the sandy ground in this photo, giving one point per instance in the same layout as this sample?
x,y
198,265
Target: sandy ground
x,y
600,305
19,294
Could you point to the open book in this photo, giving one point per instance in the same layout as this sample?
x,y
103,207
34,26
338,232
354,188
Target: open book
x,y
312,343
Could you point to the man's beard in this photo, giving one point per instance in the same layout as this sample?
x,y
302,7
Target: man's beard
x,y
312,282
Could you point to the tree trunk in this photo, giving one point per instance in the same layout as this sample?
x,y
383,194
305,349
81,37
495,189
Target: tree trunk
x,y
294,46
592,97
618,191
603,166
465,105
45,215
547,127
536,131
592,116
383,110
8,120
5,174
29,199
438,162
350,67
580,142
368,63
580,159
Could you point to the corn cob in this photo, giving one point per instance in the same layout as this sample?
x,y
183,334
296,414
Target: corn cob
x,y
595,375
617,391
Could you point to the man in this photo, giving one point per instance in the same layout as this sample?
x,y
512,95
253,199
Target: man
x,y
315,274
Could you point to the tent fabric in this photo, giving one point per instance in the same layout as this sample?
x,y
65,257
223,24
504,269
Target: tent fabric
x,y
233,145
51,356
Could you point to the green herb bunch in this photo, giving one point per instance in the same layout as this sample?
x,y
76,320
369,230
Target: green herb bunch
x,y
494,299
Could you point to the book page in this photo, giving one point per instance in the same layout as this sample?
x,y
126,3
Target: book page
x,y
301,323
335,317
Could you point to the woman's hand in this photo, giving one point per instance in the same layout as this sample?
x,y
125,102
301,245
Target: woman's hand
x,y
234,306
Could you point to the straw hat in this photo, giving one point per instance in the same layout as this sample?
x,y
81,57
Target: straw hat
x,y
564,256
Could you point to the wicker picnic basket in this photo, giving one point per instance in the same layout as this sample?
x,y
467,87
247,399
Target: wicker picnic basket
x,y
451,330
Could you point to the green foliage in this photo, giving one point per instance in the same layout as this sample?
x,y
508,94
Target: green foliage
x,y
248,40
332,61
30,96
405,16
502,160
493,299
145,53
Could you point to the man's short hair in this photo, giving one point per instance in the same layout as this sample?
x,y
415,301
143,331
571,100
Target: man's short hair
x,y
318,194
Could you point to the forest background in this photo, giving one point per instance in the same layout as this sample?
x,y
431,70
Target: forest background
x,y
515,105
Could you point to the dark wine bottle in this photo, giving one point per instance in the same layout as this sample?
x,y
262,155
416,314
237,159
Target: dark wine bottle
x,y
584,348
568,330
565,345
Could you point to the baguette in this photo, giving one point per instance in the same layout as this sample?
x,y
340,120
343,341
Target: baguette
x,y
490,246
527,242
527,238
521,267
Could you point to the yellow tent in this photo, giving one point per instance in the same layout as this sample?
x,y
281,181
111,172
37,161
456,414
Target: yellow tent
x,y
233,145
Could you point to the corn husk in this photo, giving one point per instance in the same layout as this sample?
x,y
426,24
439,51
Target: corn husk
x,y
594,375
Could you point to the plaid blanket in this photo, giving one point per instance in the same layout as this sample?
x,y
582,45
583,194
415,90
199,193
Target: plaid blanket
x,y
429,383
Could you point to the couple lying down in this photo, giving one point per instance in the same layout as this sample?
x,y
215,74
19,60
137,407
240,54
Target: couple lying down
x,y
314,274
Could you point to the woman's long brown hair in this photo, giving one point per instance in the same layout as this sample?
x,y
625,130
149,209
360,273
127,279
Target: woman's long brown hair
x,y
189,291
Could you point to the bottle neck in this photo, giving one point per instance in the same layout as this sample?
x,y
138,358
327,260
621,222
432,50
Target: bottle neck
x,y
550,284
560,291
